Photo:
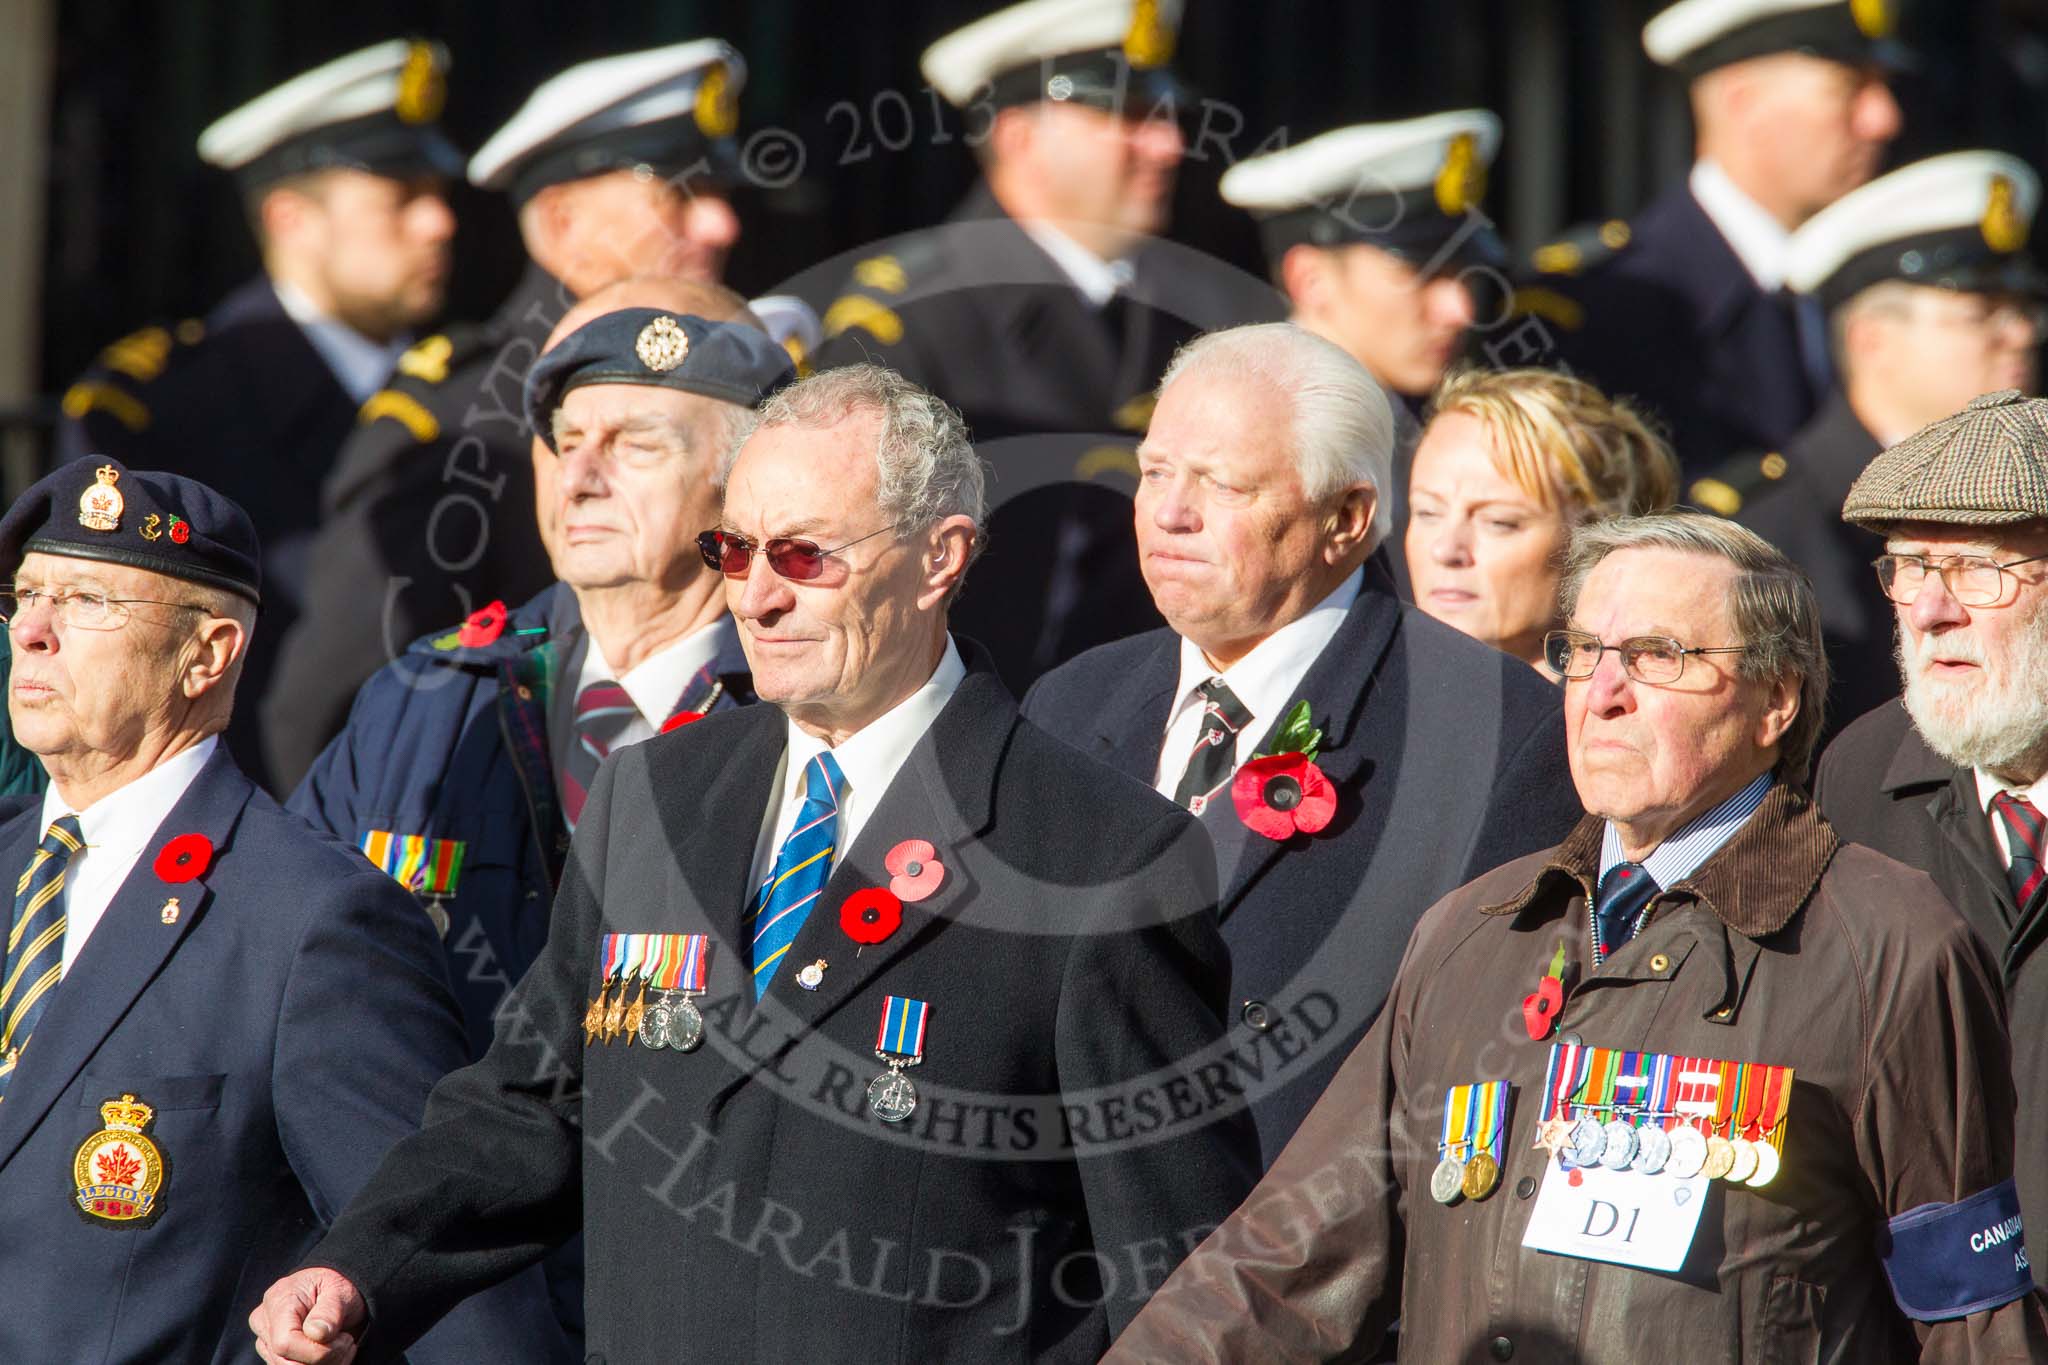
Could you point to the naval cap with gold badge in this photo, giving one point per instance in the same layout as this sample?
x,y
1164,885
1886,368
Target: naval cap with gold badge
x,y
376,110
1958,221
1985,466
96,508
1694,37
1105,54
667,111
1412,188
730,361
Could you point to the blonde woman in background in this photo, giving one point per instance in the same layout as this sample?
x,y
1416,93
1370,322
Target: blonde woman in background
x,y
1509,463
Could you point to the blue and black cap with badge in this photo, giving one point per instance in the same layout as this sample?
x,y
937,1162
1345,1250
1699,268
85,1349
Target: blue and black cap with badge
x,y
95,508
1105,54
730,361
1694,37
1413,188
376,110
669,112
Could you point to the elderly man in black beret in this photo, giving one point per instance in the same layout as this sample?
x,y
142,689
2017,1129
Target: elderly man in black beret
x,y
213,1021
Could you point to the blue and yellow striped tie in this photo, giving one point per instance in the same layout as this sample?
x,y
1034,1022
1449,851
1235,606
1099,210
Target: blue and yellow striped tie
x,y
35,942
802,866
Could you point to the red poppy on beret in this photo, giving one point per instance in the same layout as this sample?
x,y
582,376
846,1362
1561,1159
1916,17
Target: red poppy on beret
x,y
870,915
483,626
914,870
185,858
1283,795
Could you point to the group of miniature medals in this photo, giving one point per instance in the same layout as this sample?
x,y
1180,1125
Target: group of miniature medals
x,y
1475,1124
1654,1113
675,966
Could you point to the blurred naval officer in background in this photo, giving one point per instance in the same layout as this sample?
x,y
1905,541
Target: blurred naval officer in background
x,y
342,172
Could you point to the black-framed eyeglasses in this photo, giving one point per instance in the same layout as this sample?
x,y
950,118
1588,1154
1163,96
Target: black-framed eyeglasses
x,y
1973,580
85,610
1653,659
732,554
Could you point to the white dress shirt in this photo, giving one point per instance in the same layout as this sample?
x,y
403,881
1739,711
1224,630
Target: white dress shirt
x,y
1759,241
869,761
1267,681
360,365
1988,787
655,684
1097,279
1688,849
117,828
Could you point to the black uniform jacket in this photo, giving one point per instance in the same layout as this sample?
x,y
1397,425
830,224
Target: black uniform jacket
x,y
742,1201
1880,784
1448,759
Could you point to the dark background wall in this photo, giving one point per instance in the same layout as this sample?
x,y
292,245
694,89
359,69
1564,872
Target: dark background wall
x,y
139,230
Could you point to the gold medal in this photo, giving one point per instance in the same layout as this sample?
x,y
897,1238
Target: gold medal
x,y
593,1018
1720,1158
118,1171
615,1015
1482,1176
635,1013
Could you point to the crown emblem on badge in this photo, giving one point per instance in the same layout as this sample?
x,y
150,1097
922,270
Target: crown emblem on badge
x,y
1149,40
118,1171
662,345
422,89
1461,182
2003,231
1874,18
718,108
99,506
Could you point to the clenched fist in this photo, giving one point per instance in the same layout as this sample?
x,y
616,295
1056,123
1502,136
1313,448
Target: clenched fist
x,y
312,1317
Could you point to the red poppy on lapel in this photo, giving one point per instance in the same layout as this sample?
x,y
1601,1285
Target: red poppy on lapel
x,y
185,858
680,719
483,626
870,915
914,870
1540,1008
1283,795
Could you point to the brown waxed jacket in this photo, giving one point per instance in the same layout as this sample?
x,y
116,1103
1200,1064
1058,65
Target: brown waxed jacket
x,y
1785,947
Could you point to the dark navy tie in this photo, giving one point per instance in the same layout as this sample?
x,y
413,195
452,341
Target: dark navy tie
x,y
1624,891
35,941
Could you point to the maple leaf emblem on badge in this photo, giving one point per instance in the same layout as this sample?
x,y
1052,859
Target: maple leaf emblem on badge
x,y
118,1166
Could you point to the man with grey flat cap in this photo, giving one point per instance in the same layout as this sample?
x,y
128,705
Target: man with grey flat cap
x,y
342,173
1953,777
1932,299
213,1021
617,168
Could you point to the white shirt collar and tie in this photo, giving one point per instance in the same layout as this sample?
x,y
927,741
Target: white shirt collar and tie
x,y
1758,240
1699,839
360,365
1266,681
1097,279
118,829
1989,787
655,684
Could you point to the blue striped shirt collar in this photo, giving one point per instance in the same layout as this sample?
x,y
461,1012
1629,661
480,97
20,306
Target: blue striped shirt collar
x,y
1681,855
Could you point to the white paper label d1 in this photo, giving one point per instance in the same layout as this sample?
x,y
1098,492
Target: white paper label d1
x,y
1625,1217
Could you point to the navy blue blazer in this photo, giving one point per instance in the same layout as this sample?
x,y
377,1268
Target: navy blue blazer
x,y
1448,758
285,1022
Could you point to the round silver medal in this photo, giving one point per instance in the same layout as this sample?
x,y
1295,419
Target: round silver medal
x,y
1688,1152
1653,1149
1620,1146
654,1023
1589,1142
1745,1161
1447,1181
892,1096
685,1026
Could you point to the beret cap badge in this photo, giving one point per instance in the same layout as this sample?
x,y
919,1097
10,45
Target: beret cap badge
x,y
662,345
99,506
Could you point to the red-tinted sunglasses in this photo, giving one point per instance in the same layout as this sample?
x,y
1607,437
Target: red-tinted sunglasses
x,y
732,554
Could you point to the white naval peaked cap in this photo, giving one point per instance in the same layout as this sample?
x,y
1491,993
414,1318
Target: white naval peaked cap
x,y
1960,220
1699,35
654,106
353,111
1037,31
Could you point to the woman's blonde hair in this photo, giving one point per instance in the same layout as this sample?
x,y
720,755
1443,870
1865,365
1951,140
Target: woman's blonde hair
x,y
1559,436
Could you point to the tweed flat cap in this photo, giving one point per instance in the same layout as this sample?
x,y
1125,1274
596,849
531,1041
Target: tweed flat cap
x,y
1985,466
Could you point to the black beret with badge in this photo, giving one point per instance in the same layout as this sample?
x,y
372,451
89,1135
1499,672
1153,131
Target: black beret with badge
x,y
1694,37
95,508
375,110
729,361
1412,188
668,111
1105,54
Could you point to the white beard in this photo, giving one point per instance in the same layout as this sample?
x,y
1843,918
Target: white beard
x,y
2001,719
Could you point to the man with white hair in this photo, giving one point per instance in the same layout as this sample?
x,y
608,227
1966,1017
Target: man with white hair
x,y
883,868
1352,758
1954,780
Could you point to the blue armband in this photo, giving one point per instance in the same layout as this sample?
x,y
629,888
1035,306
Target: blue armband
x,y
1951,1260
